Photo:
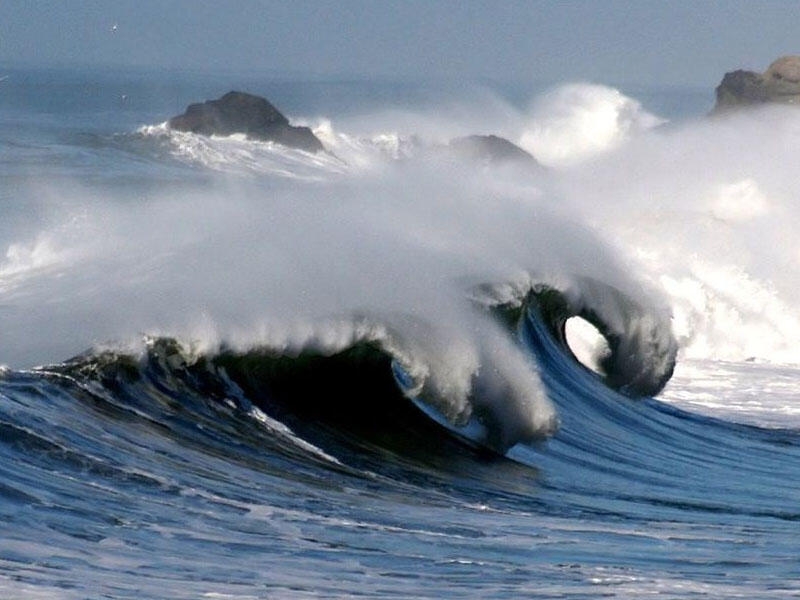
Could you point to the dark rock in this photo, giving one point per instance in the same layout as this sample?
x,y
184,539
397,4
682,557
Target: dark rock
x,y
741,87
780,83
491,149
254,116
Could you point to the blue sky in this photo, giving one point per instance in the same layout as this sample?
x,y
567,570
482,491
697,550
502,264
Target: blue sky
x,y
647,42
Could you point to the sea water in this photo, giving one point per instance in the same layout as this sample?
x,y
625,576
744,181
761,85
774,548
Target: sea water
x,y
217,349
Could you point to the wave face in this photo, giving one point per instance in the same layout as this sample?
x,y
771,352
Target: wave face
x,y
169,470
355,373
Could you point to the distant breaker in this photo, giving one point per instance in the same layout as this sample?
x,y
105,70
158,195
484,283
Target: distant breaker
x,y
254,116
780,83
258,119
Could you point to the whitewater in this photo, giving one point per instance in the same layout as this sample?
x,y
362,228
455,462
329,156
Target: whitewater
x,y
238,370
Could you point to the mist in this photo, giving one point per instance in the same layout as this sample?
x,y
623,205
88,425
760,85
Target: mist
x,y
709,211
390,239
392,253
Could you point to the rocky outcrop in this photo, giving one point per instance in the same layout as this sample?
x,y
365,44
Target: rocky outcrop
x,y
491,149
780,83
254,116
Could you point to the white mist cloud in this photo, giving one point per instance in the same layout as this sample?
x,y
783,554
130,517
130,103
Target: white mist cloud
x,y
576,121
392,251
710,208
390,255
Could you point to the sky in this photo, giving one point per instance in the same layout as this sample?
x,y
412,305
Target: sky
x,y
647,42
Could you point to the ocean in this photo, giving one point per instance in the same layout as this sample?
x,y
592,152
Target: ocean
x,y
235,370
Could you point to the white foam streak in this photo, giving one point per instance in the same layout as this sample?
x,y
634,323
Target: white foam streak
x,y
241,155
365,152
745,392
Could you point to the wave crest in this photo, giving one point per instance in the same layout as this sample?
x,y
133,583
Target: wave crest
x,y
576,121
641,347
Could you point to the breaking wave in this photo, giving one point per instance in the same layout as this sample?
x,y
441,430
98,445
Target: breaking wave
x,y
385,240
